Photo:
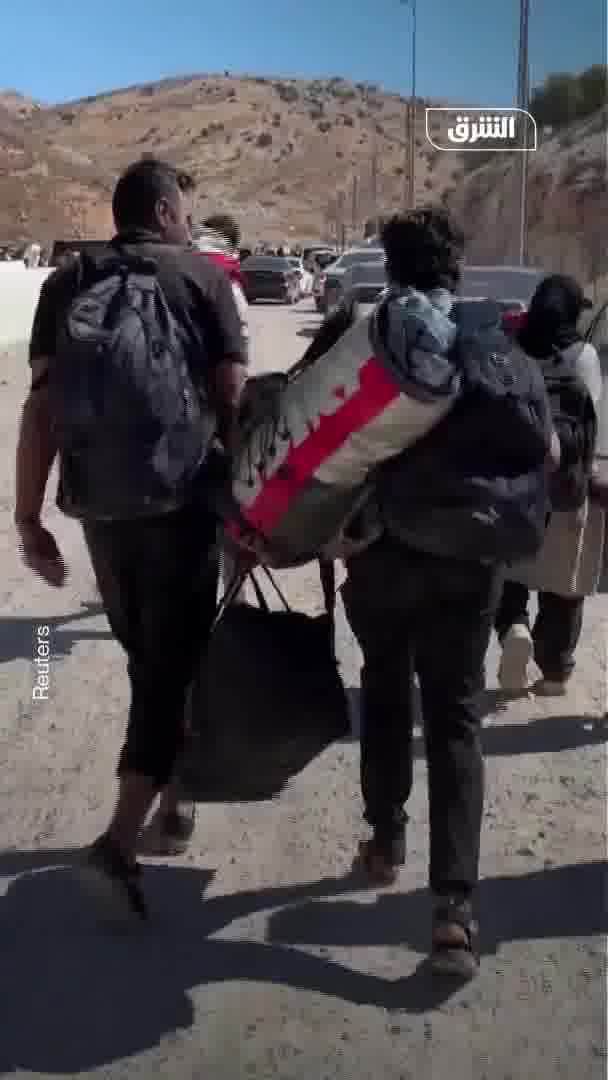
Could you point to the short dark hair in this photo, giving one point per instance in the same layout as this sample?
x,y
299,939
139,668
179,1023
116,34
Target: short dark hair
x,y
226,226
424,249
140,188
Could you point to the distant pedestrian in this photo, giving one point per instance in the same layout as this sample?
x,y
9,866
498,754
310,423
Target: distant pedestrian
x,y
568,567
226,227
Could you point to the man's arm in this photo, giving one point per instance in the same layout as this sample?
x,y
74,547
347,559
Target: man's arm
x,y
229,378
228,360
35,449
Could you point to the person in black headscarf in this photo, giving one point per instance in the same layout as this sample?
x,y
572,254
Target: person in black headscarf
x,y
552,319
561,572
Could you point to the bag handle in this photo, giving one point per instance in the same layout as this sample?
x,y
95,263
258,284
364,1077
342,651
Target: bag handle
x,y
327,572
272,581
232,590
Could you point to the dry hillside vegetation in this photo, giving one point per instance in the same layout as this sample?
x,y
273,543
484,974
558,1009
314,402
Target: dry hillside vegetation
x,y
567,203
282,155
274,151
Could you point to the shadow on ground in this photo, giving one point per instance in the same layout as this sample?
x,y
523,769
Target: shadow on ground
x,y
75,997
540,734
17,633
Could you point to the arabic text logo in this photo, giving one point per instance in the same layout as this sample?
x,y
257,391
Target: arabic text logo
x,y
481,129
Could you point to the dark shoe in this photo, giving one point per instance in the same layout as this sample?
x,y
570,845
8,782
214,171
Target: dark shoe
x,y
547,687
169,834
382,855
114,880
455,947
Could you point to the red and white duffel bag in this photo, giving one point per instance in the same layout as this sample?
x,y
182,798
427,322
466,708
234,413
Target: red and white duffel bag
x,y
311,438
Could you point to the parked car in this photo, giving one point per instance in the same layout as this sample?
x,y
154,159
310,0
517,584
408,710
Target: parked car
x,y
516,284
329,289
304,276
270,277
321,255
364,283
472,312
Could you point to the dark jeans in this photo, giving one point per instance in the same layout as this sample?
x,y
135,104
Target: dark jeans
x,y
413,612
556,631
158,583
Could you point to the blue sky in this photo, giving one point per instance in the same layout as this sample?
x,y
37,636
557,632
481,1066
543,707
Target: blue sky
x,y
467,49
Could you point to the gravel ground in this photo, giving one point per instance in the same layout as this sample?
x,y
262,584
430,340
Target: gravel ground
x,y
262,958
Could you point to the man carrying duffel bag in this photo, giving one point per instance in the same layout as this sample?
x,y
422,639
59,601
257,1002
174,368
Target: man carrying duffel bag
x,y
466,498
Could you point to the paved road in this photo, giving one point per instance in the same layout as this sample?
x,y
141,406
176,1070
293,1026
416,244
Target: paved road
x,y
263,959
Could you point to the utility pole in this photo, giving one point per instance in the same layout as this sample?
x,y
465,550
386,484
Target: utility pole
x,y
374,184
523,101
411,114
414,113
341,229
355,205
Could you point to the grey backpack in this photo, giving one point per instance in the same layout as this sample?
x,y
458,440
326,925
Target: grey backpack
x,y
131,426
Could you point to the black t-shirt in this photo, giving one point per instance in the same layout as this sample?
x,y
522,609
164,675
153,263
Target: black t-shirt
x,y
198,292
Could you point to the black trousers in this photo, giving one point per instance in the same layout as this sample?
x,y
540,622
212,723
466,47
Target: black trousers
x,y
158,582
413,612
556,631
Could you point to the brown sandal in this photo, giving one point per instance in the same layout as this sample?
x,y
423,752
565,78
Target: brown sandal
x,y
381,859
455,947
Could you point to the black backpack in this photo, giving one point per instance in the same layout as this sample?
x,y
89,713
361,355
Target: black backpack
x,y
476,487
131,426
575,421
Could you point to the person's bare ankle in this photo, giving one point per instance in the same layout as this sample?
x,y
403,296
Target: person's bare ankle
x,y
136,794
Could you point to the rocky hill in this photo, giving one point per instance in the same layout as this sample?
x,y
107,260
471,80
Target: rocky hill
x,y
567,202
282,155
274,151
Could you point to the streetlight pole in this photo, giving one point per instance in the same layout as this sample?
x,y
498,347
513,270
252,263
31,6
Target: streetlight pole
x,y
410,121
523,101
413,113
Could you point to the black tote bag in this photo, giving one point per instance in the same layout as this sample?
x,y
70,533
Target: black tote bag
x,y
267,700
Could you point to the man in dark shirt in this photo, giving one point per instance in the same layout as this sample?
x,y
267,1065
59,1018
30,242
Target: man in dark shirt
x,y
157,577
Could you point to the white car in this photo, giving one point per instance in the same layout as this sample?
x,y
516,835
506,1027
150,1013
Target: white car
x,y
305,277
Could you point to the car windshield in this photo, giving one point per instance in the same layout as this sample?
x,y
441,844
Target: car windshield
x,y
477,313
324,258
500,282
266,262
369,273
351,258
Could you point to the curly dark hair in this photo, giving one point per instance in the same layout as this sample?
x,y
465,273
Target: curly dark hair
x,y
226,226
424,249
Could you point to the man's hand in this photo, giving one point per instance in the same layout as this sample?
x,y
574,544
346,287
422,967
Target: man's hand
x,y
40,553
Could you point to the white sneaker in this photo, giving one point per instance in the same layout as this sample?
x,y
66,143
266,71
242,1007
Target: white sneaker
x,y
517,650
